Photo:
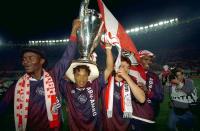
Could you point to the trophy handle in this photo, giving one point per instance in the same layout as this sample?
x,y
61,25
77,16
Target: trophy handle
x,y
98,37
83,9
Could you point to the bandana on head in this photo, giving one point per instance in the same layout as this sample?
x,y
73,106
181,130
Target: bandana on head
x,y
21,101
145,53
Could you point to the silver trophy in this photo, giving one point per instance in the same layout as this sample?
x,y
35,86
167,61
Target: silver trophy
x,y
90,31
88,39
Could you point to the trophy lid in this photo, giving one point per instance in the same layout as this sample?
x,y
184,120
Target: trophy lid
x,y
94,13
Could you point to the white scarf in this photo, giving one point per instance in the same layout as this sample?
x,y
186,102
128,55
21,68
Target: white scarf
x,y
21,101
126,101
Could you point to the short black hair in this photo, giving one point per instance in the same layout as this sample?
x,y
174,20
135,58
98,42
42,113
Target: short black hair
x,y
85,67
179,69
123,58
173,72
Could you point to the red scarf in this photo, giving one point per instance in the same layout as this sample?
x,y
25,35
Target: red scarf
x,y
21,101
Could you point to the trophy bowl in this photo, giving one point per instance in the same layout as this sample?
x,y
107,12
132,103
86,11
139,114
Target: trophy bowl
x,y
89,34
88,38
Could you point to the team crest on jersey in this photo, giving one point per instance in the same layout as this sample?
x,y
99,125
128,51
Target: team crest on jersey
x,y
72,91
117,95
40,91
82,99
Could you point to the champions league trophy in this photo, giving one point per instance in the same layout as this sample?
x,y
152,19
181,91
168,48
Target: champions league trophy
x,y
88,38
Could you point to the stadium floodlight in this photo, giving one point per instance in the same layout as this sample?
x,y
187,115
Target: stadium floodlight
x,y
128,31
132,30
137,29
172,20
166,22
155,25
151,25
160,23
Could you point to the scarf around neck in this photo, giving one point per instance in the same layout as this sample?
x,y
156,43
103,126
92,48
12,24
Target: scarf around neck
x,y
21,101
126,101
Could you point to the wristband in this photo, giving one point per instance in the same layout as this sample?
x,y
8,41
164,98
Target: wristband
x,y
73,38
108,47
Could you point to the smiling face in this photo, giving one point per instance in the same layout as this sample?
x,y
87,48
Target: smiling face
x,y
32,62
81,74
81,78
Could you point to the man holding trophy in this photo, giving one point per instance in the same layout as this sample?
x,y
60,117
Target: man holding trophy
x,y
83,91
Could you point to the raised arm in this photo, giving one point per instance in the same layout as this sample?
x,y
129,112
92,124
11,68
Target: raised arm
x,y
69,54
109,62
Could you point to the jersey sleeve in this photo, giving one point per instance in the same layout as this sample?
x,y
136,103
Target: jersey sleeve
x,y
7,99
61,66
